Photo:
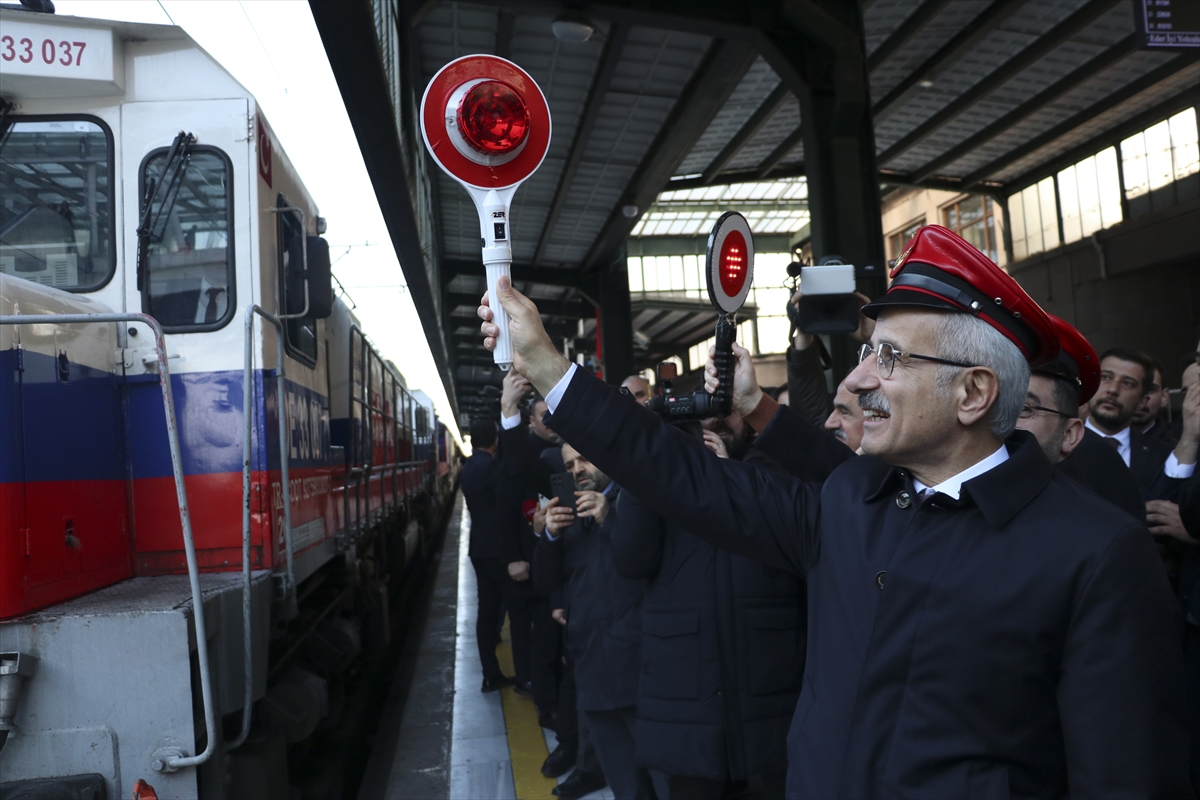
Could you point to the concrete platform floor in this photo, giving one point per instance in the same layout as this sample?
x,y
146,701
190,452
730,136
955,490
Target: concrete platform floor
x,y
440,736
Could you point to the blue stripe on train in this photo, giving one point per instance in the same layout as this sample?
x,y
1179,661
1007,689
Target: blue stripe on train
x,y
73,430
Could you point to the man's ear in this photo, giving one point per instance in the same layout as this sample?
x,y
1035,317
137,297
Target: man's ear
x,y
1072,436
977,395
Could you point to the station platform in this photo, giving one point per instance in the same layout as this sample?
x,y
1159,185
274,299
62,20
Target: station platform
x,y
440,736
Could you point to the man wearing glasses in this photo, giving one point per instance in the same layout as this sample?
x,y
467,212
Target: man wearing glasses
x,y
979,625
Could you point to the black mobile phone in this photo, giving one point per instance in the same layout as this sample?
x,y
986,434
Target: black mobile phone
x,y
562,486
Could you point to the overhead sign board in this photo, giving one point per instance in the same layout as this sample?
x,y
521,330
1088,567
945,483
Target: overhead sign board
x,y
1168,24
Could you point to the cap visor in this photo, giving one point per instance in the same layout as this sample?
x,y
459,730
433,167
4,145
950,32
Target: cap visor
x,y
907,297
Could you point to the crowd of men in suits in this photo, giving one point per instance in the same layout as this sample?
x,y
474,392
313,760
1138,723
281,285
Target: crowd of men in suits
x,y
973,570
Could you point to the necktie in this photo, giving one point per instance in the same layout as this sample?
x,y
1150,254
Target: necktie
x,y
210,313
1114,441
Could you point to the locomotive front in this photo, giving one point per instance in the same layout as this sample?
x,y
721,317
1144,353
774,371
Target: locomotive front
x,y
140,178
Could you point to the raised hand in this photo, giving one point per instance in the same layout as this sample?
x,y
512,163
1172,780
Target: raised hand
x,y
515,387
558,518
534,355
592,504
746,393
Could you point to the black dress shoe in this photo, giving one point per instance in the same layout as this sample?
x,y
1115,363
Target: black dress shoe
x,y
577,785
524,688
492,684
558,762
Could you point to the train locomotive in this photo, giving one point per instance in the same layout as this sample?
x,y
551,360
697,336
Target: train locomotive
x,y
187,568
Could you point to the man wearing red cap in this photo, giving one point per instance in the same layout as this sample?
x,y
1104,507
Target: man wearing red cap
x,y
1056,391
979,625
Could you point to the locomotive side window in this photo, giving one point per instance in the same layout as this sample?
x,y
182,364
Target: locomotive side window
x,y
56,202
190,282
300,335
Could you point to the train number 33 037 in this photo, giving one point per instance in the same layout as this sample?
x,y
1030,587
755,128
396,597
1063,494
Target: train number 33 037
x,y
68,54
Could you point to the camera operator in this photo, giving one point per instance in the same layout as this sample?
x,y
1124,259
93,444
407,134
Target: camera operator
x,y
840,415
603,618
980,624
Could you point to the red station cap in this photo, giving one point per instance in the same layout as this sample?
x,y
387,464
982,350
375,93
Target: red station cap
x,y
940,269
1077,362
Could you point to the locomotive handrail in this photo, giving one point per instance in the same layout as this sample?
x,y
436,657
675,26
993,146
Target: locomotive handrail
x,y
289,586
166,759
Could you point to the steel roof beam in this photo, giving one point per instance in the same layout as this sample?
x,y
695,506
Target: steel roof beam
x,y
730,177
773,102
945,58
618,34
1051,93
505,21
551,308
718,75
768,164
1112,136
1043,45
547,276
1125,93
905,31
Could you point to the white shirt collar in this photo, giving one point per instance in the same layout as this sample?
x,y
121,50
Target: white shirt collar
x,y
1121,436
952,486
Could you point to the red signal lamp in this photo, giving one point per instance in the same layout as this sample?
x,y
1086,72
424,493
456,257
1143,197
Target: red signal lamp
x,y
493,118
734,263
730,262
486,123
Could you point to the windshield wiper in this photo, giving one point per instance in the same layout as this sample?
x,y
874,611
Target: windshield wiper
x,y
151,224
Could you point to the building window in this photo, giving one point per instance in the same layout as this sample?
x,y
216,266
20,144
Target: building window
x,y
56,202
974,219
1161,154
1089,194
900,239
1034,219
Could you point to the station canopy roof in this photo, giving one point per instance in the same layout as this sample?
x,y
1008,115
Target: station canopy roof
x,y
670,104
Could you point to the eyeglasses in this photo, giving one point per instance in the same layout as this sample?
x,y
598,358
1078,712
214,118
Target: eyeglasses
x,y
1029,409
886,356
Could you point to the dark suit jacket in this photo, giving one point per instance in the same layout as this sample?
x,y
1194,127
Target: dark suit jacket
x,y
722,651
604,609
493,533
1097,465
1189,505
1020,641
1147,459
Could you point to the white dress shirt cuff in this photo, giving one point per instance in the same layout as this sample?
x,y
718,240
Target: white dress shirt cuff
x,y
550,537
508,423
555,395
1174,469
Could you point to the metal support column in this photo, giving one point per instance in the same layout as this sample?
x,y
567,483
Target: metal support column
x,y
821,59
616,319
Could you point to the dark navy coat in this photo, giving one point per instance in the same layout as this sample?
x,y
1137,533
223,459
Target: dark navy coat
x,y
604,609
722,651
493,526
1019,642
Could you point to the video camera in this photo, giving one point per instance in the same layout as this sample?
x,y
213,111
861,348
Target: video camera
x,y
829,304
729,264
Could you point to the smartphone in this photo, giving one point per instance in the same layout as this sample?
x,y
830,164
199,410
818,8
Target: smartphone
x,y
562,486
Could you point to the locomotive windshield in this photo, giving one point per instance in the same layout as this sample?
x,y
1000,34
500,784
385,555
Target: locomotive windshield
x,y
56,225
190,284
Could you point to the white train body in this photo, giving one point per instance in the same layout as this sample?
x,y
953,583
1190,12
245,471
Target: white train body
x,y
92,572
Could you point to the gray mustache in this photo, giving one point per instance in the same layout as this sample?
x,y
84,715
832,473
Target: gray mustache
x,y
874,401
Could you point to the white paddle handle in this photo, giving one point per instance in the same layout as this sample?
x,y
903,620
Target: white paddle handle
x,y
502,355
